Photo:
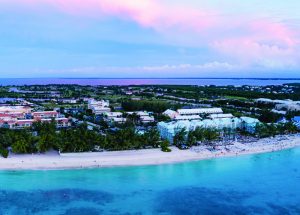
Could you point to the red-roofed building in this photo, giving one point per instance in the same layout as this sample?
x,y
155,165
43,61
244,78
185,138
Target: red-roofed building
x,y
24,123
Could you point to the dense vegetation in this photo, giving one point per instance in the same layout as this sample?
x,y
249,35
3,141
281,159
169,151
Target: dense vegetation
x,y
271,129
191,138
43,137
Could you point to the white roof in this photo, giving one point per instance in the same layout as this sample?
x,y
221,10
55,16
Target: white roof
x,y
113,114
142,113
139,113
169,112
147,118
200,111
215,116
118,119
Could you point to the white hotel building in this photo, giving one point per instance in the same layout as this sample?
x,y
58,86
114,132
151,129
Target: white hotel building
x,y
189,119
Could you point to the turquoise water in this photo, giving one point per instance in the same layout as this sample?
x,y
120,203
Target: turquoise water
x,y
255,184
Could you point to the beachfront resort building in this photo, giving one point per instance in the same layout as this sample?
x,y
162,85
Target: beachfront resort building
x,y
98,107
168,130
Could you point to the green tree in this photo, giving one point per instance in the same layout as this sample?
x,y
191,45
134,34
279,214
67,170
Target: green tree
x,y
180,137
191,139
21,146
165,146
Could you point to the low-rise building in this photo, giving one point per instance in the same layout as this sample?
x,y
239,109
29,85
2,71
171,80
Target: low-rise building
x,y
147,119
144,117
45,115
169,130
98,107
116,117
199,111
192,114
171,113
220,116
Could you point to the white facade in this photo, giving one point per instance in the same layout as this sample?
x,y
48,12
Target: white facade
x,y
168,130
98,107
219,116
187,117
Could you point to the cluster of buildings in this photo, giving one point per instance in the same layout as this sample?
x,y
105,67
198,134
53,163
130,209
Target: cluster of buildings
x,y
194,114
98,107
119,117
281,105
16,117
102,108
190,119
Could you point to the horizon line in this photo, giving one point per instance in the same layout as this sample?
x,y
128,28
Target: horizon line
x,y
233,78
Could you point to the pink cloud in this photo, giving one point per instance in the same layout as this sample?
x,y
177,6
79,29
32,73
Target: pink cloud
x,y
266,44
147,13
262,42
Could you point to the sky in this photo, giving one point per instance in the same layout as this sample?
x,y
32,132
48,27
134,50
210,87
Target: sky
x,y
149,38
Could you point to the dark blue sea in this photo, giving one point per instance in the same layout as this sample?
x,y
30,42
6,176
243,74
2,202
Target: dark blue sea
x,y
157,81
253,184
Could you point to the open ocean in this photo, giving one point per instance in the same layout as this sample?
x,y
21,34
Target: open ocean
x,y
126,81
252,184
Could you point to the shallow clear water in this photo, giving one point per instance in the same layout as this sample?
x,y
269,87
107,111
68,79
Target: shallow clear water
x,y
255,184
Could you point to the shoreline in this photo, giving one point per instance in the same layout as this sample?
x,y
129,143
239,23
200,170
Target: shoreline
x,y
144,157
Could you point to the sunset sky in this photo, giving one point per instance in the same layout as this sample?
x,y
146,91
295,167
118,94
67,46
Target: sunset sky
x,y
150,38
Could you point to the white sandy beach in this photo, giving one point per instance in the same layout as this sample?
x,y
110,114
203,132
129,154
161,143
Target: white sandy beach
x,y
53,160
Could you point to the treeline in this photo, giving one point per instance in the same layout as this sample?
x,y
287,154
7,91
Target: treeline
x,y
152,106
222,91
270,129
184,138
43,137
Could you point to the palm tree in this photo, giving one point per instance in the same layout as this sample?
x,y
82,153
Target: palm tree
x,y
191,139
291,128
180,136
